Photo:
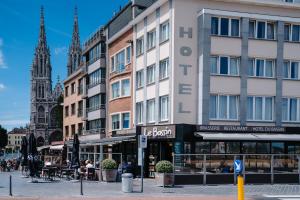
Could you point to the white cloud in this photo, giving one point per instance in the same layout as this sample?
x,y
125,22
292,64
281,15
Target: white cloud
x,y
15,122
60,50
2,87
2,62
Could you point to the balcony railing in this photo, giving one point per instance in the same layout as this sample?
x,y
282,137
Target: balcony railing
x,y
88,63
97,107
94,131
101,81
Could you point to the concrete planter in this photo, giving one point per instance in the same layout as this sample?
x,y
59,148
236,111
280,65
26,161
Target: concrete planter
x,y
164,179
109,175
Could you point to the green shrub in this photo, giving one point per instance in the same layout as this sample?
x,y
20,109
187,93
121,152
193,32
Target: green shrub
x,y
109,164
164,166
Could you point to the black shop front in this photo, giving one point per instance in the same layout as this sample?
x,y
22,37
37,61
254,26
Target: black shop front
x,y
204,154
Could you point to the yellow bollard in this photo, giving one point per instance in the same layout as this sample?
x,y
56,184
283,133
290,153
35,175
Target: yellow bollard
x,y
241,195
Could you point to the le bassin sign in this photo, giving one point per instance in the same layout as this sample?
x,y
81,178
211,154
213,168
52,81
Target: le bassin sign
x,y
159,132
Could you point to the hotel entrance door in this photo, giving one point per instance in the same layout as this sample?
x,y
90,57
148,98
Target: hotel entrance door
x,y
156,152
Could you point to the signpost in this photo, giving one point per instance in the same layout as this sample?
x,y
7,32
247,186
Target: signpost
x,y
238,169
142,146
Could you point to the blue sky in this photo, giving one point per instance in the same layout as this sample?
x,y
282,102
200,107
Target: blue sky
x,y
19,29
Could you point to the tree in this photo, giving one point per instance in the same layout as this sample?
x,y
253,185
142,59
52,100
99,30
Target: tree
x,y
3,137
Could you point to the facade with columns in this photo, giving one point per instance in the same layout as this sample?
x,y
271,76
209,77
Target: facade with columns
x,y
45,101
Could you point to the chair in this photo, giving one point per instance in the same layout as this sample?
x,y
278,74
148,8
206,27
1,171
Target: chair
x,y
90,175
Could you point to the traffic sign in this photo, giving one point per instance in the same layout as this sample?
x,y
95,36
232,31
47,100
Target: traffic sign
x,y
143,141
238,166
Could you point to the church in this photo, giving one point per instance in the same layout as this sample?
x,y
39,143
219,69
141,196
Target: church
x,y
46,102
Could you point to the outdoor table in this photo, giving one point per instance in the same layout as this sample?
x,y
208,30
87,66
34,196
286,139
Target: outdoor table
x,y
50,171
68,172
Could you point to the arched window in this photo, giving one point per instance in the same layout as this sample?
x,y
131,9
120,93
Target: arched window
x,y
41,115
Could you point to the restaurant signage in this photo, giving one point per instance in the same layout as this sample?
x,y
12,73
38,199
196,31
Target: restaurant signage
x,y
241,129
161,132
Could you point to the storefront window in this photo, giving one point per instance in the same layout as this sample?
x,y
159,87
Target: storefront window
x,y
217,147
202,148
249,147
277,147
233,147
263,148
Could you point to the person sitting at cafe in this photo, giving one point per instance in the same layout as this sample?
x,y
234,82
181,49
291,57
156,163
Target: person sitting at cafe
x,y
88,164
48,163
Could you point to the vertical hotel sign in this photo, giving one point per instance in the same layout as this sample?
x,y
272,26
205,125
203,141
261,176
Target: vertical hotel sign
x,y
186,73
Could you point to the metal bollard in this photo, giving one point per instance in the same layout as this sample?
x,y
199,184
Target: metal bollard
x,y
10,185
81,186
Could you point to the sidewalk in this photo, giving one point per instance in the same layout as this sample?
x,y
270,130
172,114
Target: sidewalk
x,y
64,190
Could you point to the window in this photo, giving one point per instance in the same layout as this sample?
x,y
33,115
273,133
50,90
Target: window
x,y
80,86
224,65
96,77
225,27
164,69
115,88
224,107
95,102
73,109
120,61
67,91
121,88
151,74
67,111
112,64
72,88
139,112
80,109
261,68
125,91
73,129
151,39
290,109
128,55
139,79
150,111
115,122
164,108
262,30
67,131
260,108
140,46
125,120
291,70
96,124
292,32
164,32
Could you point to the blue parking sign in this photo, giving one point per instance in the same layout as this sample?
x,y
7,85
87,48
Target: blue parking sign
x,y
238,166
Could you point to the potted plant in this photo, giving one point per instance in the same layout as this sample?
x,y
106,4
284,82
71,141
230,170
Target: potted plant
x,y
109,170
164,173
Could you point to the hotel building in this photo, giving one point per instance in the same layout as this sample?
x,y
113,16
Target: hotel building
x,y
219,77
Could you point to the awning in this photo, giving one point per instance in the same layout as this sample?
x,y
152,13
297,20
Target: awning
x,y
94,140
119,139
248,137
57,147
43,147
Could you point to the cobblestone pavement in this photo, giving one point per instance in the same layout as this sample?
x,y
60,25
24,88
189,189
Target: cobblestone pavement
x,y
66,189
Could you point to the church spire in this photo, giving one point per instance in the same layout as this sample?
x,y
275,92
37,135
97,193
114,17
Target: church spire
x,y
42,36
75,48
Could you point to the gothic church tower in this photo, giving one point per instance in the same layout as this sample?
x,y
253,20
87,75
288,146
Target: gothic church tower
x,y
74,54
43,104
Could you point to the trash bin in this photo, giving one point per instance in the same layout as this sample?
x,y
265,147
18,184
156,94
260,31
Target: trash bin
x,y
127,179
